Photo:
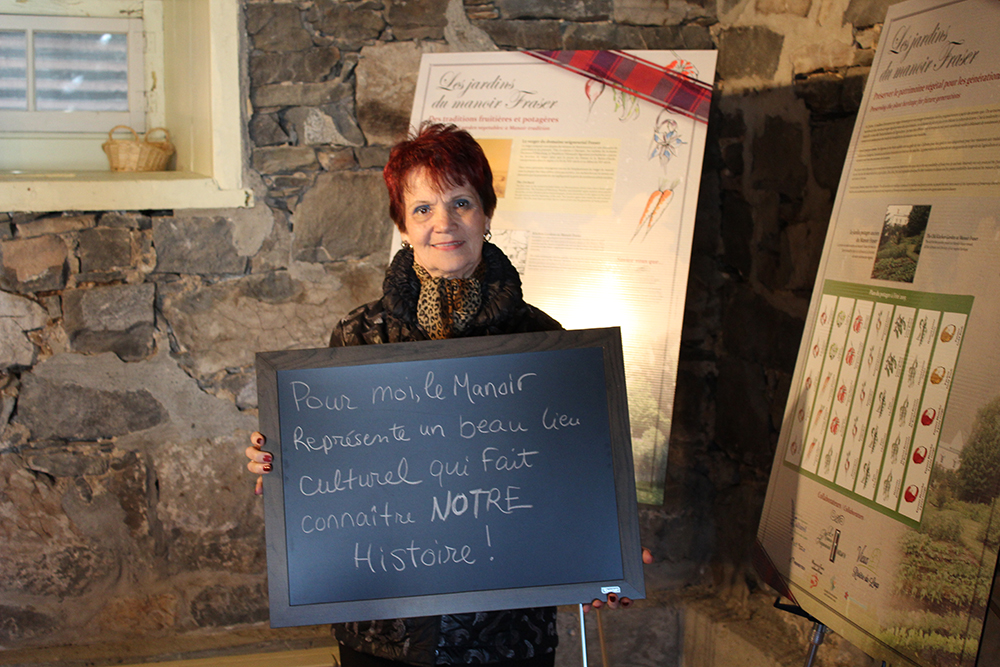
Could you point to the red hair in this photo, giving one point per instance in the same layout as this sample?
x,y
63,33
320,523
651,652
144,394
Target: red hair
x,y
451,157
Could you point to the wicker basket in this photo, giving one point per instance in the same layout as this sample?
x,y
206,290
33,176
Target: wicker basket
x,y
135,155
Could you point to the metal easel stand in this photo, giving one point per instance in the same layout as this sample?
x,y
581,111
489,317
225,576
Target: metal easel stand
x,y
600,634
819,630
818,633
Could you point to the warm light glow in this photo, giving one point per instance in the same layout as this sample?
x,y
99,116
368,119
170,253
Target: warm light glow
x,y
600,305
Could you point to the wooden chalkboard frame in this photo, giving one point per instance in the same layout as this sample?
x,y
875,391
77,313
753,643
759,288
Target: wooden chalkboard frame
x,y
631,585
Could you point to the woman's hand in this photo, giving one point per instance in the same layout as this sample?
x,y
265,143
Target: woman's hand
x,y
260,462
614,602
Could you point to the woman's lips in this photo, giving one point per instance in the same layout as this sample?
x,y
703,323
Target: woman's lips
x,y
448,245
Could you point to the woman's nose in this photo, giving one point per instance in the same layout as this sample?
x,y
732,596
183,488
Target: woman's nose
x,y
443,218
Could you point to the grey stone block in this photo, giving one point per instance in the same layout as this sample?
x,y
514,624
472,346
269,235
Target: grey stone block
x,y
277,27
417,19
350,26
346,214
34,264
749,51
221,326
265,130
105,249
196,246
336,159
784,7
18,315
387,80
124,219
25,623
223,605
115,319
55,225
54,410
372,156
311,126
300,94
310,66
528,34
279,159
67,461
568,10
864,13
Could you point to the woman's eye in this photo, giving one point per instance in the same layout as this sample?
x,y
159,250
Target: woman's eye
x,y
421,210
462,203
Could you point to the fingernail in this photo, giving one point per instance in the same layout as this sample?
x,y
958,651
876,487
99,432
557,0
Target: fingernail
x,y
626,603
267,467
268,458
612,598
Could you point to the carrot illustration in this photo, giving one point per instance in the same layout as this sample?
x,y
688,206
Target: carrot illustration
x,y
684,67
655,206
593,89
646,212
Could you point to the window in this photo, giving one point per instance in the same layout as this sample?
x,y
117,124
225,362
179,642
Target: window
x,y
191,83
77,73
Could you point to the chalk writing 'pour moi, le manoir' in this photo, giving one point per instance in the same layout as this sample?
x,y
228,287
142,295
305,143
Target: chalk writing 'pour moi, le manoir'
x,y
461,386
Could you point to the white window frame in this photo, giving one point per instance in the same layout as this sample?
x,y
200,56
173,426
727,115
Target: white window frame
x,y
193,89
32,119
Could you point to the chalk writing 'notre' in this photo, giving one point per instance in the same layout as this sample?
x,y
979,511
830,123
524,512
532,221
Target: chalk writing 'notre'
x,y
458,504
311,486
302,395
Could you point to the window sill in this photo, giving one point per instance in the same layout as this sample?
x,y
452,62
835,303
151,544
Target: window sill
x,y
202,107
115,191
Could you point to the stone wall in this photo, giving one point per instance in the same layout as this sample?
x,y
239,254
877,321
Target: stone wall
x,y
127,338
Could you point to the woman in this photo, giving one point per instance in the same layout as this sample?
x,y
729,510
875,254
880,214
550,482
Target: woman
x,y
448,281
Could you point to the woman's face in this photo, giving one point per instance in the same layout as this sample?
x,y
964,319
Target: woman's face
x,y
445,228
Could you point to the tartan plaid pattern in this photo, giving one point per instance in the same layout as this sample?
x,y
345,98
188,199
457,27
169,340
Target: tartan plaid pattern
x,y
635,76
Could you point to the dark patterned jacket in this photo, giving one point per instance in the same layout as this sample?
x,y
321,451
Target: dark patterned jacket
x,y
455,639
393,318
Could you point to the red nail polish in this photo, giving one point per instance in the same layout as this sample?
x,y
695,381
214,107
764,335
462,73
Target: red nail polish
x,y
267,467
268,458
612,598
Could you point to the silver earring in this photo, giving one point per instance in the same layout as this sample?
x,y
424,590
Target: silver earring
x,y
488,235
404,244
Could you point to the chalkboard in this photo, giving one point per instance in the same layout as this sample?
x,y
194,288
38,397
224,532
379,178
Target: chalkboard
x,y
448,476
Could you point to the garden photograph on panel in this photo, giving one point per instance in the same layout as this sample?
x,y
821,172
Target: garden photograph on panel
x,y
899,245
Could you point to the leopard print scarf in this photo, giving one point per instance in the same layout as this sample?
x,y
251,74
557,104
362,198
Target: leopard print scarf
x,y
446,306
